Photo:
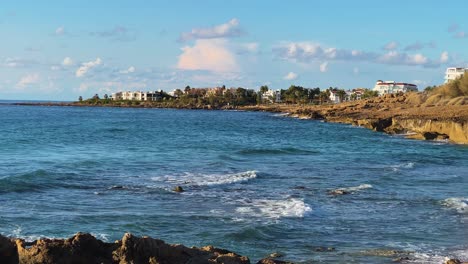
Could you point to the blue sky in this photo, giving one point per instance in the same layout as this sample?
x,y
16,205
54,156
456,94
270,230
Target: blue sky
x,y
58,50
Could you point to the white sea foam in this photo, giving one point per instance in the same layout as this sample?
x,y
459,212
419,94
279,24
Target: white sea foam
x,y
407,165
458,203
208,179
433,258
275,209
356,188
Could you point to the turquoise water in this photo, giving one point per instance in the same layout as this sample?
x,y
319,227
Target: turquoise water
x,y
255,183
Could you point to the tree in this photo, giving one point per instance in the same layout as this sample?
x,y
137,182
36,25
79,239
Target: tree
x,y
187,89
263,89
324,95
341,94
80,99
96,97
106,96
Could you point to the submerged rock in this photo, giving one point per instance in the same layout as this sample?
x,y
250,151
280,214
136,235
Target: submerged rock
x,y
178,189
84,248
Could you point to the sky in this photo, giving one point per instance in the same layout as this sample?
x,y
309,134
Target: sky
x,y
60,50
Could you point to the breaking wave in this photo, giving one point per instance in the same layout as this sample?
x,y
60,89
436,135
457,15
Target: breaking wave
x,y
458,203
208,179
355,188
275,209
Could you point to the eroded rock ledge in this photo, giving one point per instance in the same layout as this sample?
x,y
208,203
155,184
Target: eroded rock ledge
x,y
85,248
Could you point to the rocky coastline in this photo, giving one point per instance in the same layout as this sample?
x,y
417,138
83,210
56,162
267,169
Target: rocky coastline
x,y
405,114
412,115
85,248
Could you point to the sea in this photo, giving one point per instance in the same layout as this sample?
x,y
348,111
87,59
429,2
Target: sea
x,y
255,183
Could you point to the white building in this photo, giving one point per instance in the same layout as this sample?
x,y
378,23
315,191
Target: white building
x,y
334,97
454,73
137,96
272,96
392,87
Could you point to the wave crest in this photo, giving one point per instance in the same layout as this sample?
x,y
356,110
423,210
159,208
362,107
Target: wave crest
x,y
208,179
275,209
458,203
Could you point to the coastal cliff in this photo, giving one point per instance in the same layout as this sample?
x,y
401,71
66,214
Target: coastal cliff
x,y
412,115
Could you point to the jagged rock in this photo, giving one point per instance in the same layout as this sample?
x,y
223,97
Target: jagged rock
x,y
8,251
81,248
84,248
453,261
178,189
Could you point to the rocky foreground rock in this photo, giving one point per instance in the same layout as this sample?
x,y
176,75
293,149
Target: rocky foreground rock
x,y
85,248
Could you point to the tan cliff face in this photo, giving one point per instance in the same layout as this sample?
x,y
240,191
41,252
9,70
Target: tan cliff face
x,y
430,130
414,114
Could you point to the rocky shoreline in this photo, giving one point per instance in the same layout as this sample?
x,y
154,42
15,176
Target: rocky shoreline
x,y
411,115
85,248
404,114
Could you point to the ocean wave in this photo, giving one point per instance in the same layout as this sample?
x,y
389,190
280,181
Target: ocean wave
x,y
406,165
437,257
274,209
193,179
352,189
458,203
276,151
37,180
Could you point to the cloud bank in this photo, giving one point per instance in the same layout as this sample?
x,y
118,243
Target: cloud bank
x,y
86,66
226,30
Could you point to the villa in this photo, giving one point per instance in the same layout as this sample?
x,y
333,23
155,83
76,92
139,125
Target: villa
x,y
137,96
272,96
392,87
454,73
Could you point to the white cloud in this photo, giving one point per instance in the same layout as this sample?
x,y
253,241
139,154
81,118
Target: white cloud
x,y
131,69
392,45
461,34
211,55
60,31
444,57
420,82
118,33
28,79
324,67
252,47
18,62
452,28
306,52
86,66
291,76
417,59
226,30
67,61
309,51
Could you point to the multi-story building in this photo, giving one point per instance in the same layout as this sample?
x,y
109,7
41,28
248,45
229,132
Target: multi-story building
x,y
272,96
454,73
392,87
137,96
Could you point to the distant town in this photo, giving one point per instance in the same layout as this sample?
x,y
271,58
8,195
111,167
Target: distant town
x,y
222,96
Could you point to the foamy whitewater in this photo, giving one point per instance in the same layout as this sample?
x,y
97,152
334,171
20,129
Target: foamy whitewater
x,y
254,183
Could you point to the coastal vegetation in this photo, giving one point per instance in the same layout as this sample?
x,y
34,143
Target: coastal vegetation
x,y
222,97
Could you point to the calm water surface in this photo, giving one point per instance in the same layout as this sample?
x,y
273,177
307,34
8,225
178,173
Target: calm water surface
x,y
255,183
